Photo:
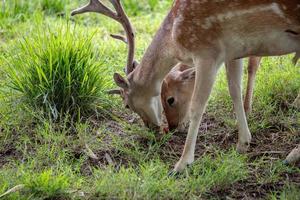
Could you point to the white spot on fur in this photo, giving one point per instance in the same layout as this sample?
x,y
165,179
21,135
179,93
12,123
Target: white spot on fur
x,y
284,7
277,10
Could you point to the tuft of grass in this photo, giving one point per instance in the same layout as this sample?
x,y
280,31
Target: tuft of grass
x,y
56,71
46,184
43,184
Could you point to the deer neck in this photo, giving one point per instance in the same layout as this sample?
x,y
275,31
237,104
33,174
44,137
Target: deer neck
x,y
157,61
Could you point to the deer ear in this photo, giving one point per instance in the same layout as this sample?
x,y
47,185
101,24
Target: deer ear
x,y
114,91
120,81
188,74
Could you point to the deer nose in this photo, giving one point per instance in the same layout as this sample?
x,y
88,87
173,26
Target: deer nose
x,y
155,128
172,128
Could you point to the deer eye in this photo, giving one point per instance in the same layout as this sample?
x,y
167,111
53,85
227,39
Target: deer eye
x,y
171,101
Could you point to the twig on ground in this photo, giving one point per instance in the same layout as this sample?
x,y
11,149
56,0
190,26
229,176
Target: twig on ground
x,y
109,159
12,190
90,153
296,103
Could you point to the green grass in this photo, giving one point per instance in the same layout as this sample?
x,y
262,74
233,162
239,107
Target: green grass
x,y
53,171
56,66
46,184
56,71
290,192
15,9
139,7
149,180
53,6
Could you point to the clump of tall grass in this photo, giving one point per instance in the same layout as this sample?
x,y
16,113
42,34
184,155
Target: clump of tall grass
x,y
56,71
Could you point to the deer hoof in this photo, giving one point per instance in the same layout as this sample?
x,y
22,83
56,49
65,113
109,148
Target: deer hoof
x,y
242,147
293,157
183,163
178,174
174,174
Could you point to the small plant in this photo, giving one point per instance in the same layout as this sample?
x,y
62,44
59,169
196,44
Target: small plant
x,y
56,72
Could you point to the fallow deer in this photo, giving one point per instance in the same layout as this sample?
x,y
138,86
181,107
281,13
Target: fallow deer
x,y
177,90
204,34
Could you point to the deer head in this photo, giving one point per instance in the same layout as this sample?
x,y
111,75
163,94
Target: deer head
x,y
176,94
143,102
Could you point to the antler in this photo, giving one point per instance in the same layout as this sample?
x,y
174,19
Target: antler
x,y
120,16
119,37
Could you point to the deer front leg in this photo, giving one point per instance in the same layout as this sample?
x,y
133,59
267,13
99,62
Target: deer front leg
x,y
234,70
206,71
252,69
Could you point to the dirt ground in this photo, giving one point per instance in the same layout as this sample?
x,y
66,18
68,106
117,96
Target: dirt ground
x,y
268,146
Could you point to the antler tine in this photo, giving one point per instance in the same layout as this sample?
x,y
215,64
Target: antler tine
x,y
119,37
123,19
98,7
